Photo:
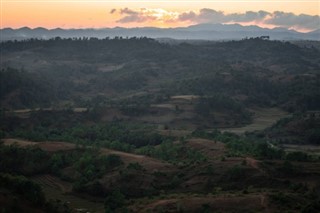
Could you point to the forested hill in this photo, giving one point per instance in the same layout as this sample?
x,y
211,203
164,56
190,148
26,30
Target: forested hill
x,y
250,72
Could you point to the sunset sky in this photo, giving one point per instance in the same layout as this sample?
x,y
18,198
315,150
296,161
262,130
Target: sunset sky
x,y
301,15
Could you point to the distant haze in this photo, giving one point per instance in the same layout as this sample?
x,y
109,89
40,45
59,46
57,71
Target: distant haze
x,y
207,31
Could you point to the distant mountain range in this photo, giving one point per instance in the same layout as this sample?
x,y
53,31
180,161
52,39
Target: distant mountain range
x,y
200,31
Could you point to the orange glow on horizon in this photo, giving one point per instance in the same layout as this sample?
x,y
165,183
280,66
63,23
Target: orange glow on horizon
x,y
16,14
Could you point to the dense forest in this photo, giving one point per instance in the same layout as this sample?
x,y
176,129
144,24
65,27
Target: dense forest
x,y
88,69
141,125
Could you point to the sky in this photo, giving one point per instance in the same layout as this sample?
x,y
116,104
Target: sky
x,y
300,15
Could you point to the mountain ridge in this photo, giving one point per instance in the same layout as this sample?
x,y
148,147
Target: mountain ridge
x,y
206,31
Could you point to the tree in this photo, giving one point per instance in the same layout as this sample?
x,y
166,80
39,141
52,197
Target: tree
x,y
114,201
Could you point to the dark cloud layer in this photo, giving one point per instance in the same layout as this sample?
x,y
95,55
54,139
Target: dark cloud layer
x,y
207,15
277,18
291,20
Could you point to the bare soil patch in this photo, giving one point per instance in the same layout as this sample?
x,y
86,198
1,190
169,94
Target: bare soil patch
x,y
185,97
48,146
148,163
19,142
212,149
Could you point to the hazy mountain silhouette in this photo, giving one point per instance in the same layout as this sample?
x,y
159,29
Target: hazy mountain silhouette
x,y
201,31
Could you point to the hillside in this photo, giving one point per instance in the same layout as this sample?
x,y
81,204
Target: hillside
x,y
91,72
139,125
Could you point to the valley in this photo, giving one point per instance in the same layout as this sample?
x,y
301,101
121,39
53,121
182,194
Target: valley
x,y
138,125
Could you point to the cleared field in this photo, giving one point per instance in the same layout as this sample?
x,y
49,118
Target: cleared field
x,y
212,149
263,118
185,97
165,106
148,163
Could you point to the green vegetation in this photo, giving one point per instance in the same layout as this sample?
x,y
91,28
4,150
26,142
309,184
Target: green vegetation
x,y
243,146
27,89
155,103
87,163
24,161
92,166
123,136
114,201
206,107
298,156
134,65
301,128
24,187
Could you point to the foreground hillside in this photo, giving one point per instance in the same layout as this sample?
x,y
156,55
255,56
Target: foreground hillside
x,y
135,125
126,166
219,178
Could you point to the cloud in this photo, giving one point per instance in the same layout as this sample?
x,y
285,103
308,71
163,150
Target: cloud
x,y
248,16
187,16
210,15
127,11
134,16
291,20
207,15
146,15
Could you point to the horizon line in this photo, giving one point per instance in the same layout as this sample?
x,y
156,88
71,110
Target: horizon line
x,y
101,28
